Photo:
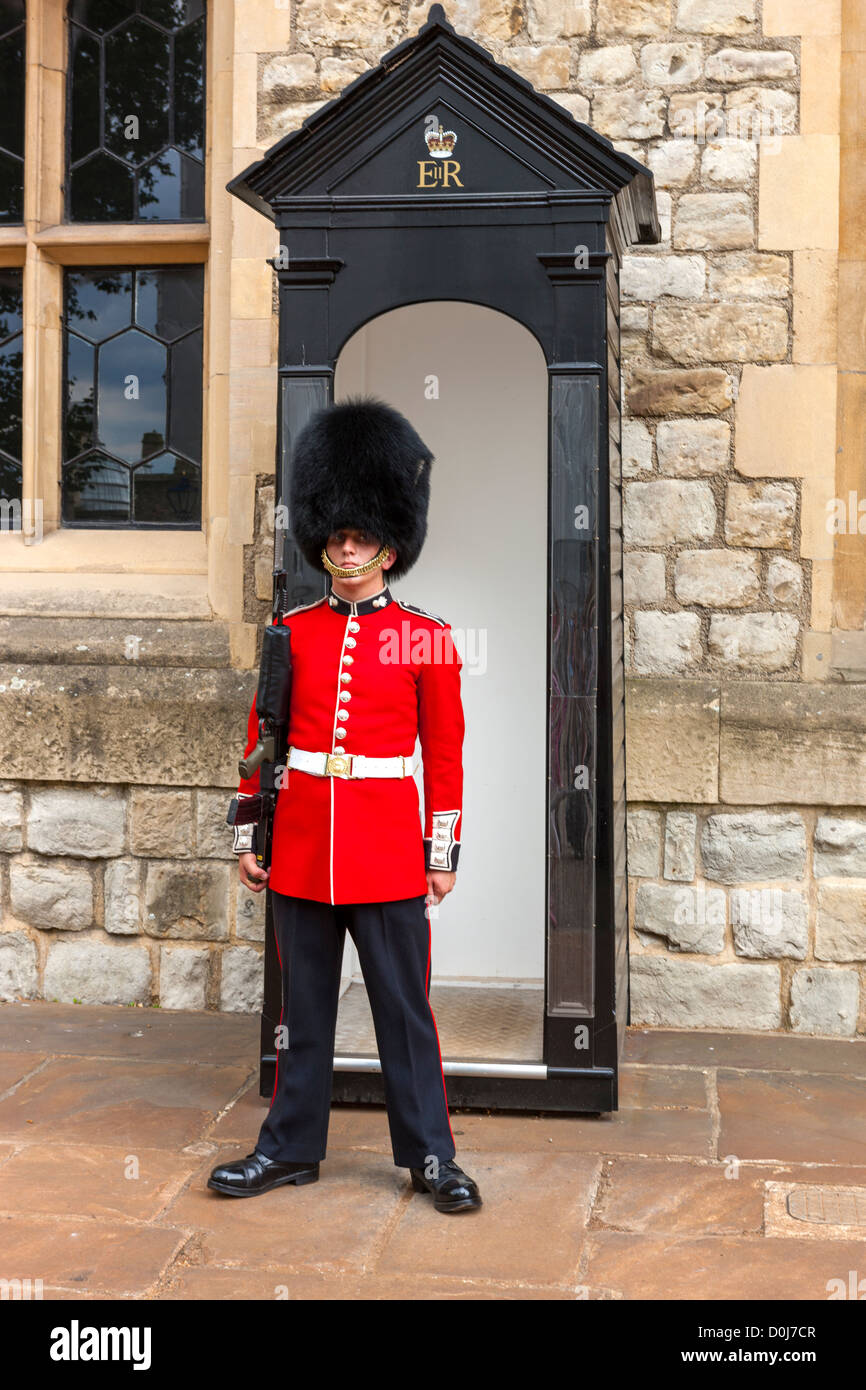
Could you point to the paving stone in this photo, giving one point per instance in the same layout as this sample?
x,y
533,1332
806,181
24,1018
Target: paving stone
x,y
334,1224
644,1195
716,1267
109,1182
101,1101
113,1030
748,1050
793,1117
543,1230
112,1258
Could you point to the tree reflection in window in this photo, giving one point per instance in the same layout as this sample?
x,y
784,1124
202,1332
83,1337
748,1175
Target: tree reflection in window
x,y
10,383
133,396
135,125
12,111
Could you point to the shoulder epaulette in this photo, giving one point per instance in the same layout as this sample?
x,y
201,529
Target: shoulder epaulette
x,y
303,607
413,608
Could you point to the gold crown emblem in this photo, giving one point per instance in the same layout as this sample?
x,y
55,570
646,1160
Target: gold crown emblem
x,y
440,142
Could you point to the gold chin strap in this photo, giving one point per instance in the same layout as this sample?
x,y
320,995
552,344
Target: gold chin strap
x,y
343,573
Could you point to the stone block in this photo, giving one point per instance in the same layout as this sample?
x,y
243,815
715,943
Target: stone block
x,y
686,918
769,922
692,994
839,847
804,745
643,576
691,448
713,222
675,64
97,972
188,901
123,897
673,162
717,16
11,821
637,449
680,832
53,896
546,66
605,66
665,643
786,220
627,114
678,391
86,821
761,514
721,332
650,277
63,722
547,19
672,740
763,114
242,982
824,1001
749,275
18,967
249,913
161,823
183,977
668,512
784,582
840,924
213,835
643,829
754,641
633,17
728,161
717,578
753,846
750,64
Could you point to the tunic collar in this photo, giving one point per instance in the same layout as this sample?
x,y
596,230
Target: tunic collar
x,y
355,607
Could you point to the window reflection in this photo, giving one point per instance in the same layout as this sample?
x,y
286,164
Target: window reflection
x,y
12,111
135,110
133,389
11,358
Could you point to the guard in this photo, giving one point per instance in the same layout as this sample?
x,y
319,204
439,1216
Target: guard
x,y
370,674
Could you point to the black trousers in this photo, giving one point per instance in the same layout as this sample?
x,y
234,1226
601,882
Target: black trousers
x,y
393,941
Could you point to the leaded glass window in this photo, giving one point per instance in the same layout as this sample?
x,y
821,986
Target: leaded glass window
x,y
12,110
135,122
133,396
10,384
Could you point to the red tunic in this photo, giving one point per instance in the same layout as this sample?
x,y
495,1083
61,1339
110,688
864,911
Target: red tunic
x,y
368,676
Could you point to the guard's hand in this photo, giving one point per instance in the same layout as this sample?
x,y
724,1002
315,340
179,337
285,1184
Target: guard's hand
x,y
439,882
252,875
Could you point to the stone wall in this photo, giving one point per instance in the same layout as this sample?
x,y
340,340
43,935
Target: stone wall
x,y
746,741
125,895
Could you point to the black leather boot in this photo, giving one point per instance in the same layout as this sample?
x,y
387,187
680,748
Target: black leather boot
x,y
247,1177
453,1190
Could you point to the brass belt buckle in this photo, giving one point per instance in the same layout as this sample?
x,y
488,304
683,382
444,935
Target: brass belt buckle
x,y
338,764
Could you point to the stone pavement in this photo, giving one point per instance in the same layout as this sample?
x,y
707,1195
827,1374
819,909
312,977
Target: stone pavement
x,y
111,1119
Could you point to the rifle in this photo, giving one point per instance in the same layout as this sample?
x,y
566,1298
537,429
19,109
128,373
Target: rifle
x,y
269,755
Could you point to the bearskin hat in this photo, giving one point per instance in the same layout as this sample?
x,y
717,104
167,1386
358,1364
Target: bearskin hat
x,y
359,464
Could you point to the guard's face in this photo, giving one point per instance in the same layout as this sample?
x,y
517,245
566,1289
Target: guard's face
x,y
350,547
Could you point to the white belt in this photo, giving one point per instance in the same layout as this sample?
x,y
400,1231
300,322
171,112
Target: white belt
x,y
352,764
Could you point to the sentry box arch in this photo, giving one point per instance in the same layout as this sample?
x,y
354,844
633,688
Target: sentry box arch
x,y
442,175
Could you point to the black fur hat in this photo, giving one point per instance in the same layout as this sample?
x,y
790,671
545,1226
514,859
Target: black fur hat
x,y
360,464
